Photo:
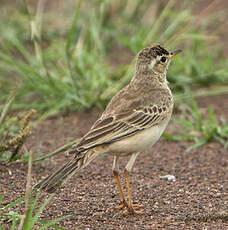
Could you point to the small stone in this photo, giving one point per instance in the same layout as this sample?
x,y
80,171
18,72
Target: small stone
x,y
168,177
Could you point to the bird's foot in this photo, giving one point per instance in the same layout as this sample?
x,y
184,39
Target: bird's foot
x,y
121,206
136,206
131,210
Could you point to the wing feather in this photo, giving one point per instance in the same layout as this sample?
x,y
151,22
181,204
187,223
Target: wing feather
x,y
115,127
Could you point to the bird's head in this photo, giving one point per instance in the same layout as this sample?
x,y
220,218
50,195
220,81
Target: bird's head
x,y
154,59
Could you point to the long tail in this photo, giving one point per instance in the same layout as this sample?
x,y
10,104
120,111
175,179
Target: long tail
x,y
52,182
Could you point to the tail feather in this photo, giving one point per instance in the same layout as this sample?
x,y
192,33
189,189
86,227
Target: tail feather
x,y
54,181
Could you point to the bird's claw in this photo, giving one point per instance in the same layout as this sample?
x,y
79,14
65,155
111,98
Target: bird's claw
x,y
121,206
130,210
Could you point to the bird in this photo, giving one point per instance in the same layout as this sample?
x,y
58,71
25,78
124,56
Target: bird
x,y
132,122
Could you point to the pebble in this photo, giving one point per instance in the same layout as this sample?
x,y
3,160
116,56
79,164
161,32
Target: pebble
x,y
168,177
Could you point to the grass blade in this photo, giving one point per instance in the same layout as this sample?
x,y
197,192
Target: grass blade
x,y
57,151
52,223
7,107
196,145
70,44
19,200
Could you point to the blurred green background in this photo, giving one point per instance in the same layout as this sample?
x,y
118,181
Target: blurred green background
x,y
75,55
58,56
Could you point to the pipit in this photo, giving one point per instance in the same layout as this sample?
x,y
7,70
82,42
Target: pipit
x,y
132,122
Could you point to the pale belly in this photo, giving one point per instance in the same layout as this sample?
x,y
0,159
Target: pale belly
x,y
138,142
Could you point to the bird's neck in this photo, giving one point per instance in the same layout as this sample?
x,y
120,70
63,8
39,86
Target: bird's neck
x,y
145,77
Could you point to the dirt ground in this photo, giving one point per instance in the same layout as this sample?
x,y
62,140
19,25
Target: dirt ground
x,y
196,200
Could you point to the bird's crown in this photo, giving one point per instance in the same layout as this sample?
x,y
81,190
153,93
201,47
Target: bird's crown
x,y
154,58
152,52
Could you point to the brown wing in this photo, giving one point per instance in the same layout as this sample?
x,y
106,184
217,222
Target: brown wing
x,y
115,127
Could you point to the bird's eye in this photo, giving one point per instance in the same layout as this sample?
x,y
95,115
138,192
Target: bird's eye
x,y
163,59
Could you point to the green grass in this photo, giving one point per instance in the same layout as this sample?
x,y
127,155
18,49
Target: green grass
x,y
77,67
32,210
198,128
74,71
30,218
14,130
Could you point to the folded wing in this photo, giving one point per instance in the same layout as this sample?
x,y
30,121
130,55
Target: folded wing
x,y
115,127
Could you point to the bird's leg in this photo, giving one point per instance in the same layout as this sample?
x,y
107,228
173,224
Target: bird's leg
x,y
115,170
131,207
123,201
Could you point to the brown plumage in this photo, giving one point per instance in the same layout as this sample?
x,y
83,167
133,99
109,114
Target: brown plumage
x,y
133,121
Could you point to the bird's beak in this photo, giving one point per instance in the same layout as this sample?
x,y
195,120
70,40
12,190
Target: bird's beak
x,y
174,53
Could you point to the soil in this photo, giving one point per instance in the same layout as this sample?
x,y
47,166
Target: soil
x,y
196,200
